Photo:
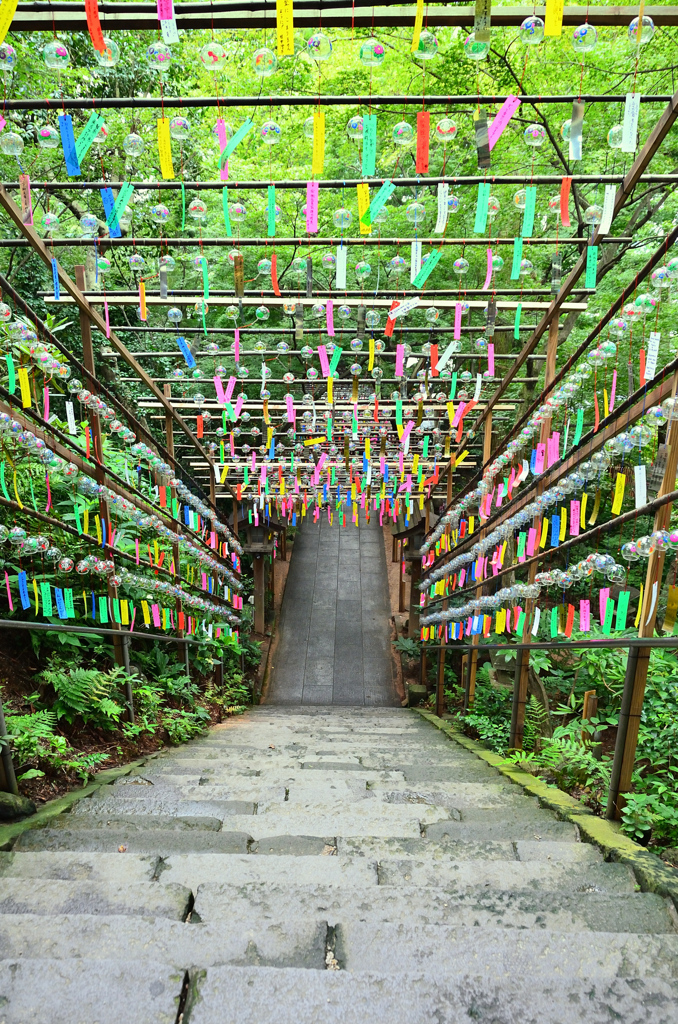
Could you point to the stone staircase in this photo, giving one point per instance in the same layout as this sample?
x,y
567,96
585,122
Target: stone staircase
x,y
303,865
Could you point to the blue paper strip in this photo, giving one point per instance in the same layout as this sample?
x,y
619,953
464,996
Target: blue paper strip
x,y
55,278
61,607
555,531
109,209
186,353
23,591
68,144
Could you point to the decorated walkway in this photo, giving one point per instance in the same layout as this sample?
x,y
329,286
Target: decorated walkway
x,y
334,636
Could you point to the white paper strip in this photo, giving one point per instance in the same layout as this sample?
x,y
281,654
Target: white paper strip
x,y
415,259
404,307
652,354
630,130
479,384
217,471
443,196
445,358
535,624
608,209
70,416
170,33
653,603
342,253
641,485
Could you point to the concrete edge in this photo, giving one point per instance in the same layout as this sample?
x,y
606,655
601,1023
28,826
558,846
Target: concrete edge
x,y
651,873
8,833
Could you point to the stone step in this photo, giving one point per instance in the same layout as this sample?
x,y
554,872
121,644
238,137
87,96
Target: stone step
x,y
210,868
294,943
431,852
436,904
503,828
343,997
161,842
114,868
55,896
509,876
34,991
136,822
396,948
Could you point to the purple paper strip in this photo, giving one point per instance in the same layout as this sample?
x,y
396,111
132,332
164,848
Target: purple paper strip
x,y
312,207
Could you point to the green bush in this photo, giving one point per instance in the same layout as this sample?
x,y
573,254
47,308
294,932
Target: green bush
x,y
86,693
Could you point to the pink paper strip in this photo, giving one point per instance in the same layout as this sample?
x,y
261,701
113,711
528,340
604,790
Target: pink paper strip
x,y
329,316
49,504
229,389
238,406
221,135
400,359
462,577
324,361
603,597
490,358
165,10
585,615
531,540
555,439
614,389
312,207
539,458
401,462
136,547
458,415
2,122
457,321
219,388
45,394
500,495
254,461
108,326
232,440
502,118
291,415
574,518
406,432
488,277
9,592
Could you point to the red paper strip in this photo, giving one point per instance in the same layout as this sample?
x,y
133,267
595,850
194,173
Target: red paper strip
x,y
423,128
162,491
274,275
596,420
94,25
199,426
570,621
565,202
390,324
434,360
641,356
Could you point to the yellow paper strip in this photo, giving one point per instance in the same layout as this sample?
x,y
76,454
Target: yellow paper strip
x,y
165,149
330,392
563,523
363,191
16,493
640,606
606,404
461,457
318,142
143,311
618,493
224,473
285,27
415,459
147,617
544,531
85,521
124,612
35,591
7,12
314,440
25,387
553,22
97,523
582,519
368,454
418,21
471,524
370,362
671,609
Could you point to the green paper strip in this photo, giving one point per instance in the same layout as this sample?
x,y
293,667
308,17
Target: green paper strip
x,y
609,611
35,504
183,206
481,207
336,356
76,513
369,145
516,322
271,211
11,387
88,135
517,258
399,412
227,216
528,213
380,200
68,601
236,140
567,431
427,269
120,205
424,447
521,624
622,609
46,596
591,266
453,387
116,610
554,623
103,609
579,427
2,482
522,537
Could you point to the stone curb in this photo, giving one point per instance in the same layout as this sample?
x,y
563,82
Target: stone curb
x,y
8,833
651,872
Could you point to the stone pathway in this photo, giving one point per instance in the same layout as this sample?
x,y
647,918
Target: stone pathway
x,y
343,866
334,638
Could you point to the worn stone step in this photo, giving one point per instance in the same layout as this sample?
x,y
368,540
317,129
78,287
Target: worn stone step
x,y
137,822
293,943
394,948
205,868
52,896
114,868
164,804
343,997
509,876
161,842
431,852
436,904
34,991
503,828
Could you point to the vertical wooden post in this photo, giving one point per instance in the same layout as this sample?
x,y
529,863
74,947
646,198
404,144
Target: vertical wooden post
x,y
475,640
634,685
394,549
522,674
259,594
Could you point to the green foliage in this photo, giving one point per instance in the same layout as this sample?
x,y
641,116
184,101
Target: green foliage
x,y
407,646
182,726
33,739
31,735
86,693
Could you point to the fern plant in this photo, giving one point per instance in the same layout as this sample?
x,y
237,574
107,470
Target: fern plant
x,y
86,693
536,717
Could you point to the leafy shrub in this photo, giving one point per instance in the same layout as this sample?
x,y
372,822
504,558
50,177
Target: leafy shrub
x,y
182,726
406,646
86,693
